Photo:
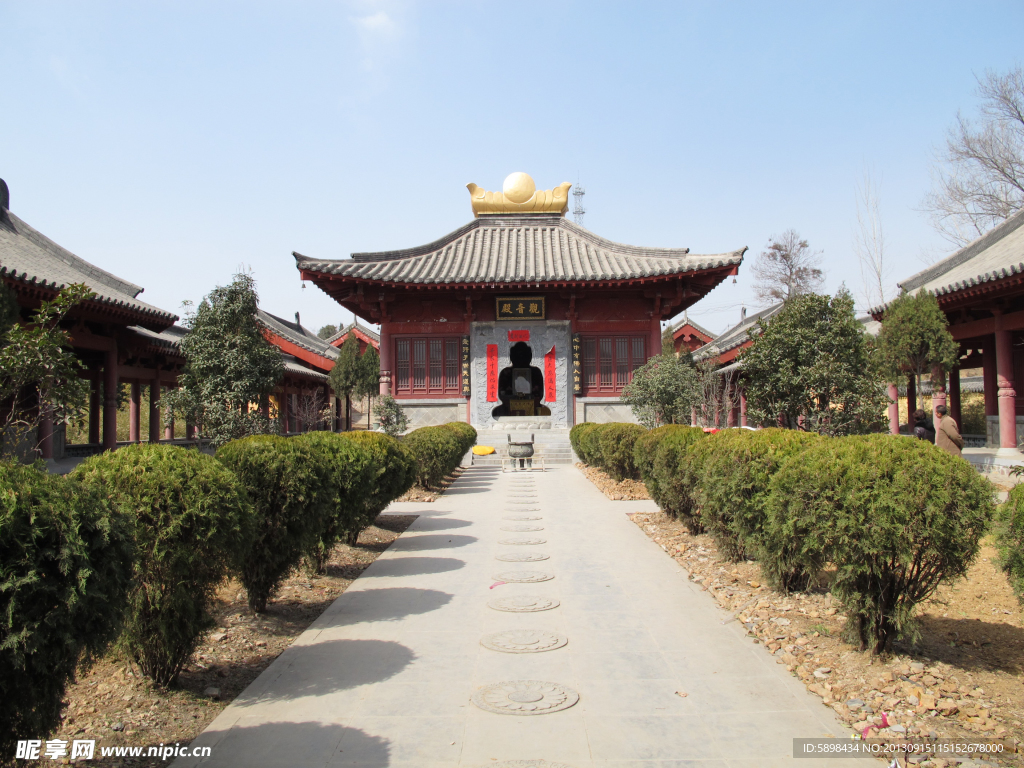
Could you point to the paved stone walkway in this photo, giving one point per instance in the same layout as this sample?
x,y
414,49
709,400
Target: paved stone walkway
x,y
395,672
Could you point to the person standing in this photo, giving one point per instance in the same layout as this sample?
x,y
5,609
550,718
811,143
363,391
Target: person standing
x,y
947,436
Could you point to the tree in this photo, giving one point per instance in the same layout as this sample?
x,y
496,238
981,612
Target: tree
x,y
661,390
390,416
811,369
914,338
714,394
368,385
38,374
869,245
230,369
327,331
978,180
787,268
347,373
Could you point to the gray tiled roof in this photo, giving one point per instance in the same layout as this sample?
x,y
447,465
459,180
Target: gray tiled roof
x,y
28,256
298,369
168,339
736,335
687,321
298,335
508,249
996,254
344,332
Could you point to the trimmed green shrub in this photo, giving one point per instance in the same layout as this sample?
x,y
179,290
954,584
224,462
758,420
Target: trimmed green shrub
x,y
576,434
394,469
644,451
190,522
437,450
590,446
617,441
65,567
735,467
465,432
1010,539
281,477
674,493
348,476
896,517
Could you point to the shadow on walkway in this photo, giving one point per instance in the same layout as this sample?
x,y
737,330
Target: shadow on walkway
x,y
385,604
285,745
431,541
442,524
410,566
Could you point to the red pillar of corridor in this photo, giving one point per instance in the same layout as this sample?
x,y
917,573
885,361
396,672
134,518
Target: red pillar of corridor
x,y
1007,396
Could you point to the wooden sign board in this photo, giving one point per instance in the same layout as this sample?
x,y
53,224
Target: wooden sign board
x,y
520,308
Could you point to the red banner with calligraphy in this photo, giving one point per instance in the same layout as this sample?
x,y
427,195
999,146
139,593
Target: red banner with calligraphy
x,y
518,335
492,373
550,382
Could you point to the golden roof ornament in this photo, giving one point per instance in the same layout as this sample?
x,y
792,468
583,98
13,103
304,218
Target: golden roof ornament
x,y
519,195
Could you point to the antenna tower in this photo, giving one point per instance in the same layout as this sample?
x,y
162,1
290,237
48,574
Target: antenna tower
x,y
577,212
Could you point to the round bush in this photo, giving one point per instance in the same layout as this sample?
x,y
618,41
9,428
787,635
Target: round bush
x,y
644,451
674,493
65,568
189,521
895,516
590,446
1010,539
465,432
394,472
437,450
280,476
735,467
349,474
617,442
576,434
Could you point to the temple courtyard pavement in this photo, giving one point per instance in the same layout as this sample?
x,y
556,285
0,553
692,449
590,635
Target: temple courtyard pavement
x,y
429,661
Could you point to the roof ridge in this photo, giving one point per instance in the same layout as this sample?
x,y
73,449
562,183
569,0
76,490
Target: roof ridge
x,y
966,253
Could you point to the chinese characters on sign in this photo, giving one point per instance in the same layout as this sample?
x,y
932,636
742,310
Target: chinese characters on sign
x,y
518,336
521,308
577,365
550,380
465,366
492,373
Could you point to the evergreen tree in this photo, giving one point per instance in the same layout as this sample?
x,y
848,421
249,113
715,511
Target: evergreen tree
x,y
347,374
230,369
327,331
662,390
811,368
914,338
368,385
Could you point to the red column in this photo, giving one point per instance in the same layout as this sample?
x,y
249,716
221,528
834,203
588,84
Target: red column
x,y
954,397
110,384
154,408
94,406
284,410
386,352
1007,396
988,368
135,413
743,408
894,409
911,398
938,390
655,335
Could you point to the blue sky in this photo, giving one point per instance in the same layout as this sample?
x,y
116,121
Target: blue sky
x,y
173,143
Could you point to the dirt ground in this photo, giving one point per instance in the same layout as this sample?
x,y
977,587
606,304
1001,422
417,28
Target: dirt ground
x,y
961,679
626,490
419,494
114,706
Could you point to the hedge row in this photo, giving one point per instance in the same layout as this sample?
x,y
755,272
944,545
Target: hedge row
x,y
439,450
890,518
131,546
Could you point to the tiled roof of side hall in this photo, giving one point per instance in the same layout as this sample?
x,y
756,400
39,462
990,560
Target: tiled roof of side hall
x,y
298,335
362,329
996,254
736,335
30,257
699,328
516,249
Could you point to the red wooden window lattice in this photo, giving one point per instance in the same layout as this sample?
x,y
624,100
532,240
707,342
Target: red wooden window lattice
x,y
427,366
609,362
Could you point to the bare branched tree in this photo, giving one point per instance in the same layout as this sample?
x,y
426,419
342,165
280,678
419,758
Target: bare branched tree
x,y
787,268
715,395
869,245
978,180
314,411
